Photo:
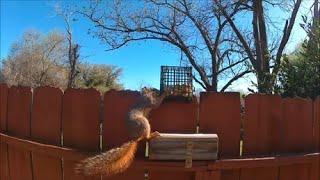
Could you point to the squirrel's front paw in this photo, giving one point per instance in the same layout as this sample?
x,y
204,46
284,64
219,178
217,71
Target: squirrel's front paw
x,y
154,134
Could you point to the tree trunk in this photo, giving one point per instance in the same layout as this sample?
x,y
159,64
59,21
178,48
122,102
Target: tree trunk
x,y
265,84
316,11
212,88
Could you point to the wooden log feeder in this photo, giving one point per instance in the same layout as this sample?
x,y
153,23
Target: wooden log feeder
x,y
187,147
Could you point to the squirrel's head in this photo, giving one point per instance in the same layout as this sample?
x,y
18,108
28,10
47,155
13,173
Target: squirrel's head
x,y
152,91
152,96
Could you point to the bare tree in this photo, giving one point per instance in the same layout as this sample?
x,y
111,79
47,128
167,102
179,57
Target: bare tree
x,y
265,52
36,60
197,29
73,55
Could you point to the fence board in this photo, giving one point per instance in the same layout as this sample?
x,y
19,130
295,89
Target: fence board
x,y
262,124
230,175
19,164
315,168
46,115
220,114
46,167
297,125
295,172
115,133
269,173
4,166
175,117
45,128
80,124
4,163
116,107
19,101
3,107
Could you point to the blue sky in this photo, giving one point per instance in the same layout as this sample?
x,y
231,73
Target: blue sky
x,y
140,61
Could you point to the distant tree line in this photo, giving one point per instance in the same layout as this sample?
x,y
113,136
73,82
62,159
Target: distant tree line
x,y
38,59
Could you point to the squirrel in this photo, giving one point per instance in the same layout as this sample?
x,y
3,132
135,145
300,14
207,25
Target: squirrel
x,y
117,160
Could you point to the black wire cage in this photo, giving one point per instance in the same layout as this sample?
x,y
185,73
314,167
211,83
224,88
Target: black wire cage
x,y
176,81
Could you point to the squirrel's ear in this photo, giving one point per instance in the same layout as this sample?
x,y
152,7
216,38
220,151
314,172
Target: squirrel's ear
x,y
144,90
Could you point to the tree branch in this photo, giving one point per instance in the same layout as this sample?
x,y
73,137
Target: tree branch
x,y
286,34
234,79
232,65
199,82
239,35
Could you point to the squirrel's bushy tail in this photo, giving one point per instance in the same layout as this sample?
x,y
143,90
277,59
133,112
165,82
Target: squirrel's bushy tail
x,y
110,162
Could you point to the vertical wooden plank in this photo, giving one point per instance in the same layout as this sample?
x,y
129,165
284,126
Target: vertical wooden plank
x,y
220,114
80,124
270,173
295,172
115,110
230,174
46,115
175,117
115,133
45,128
315,168
4,163
297,125
19,101
262,124
3,107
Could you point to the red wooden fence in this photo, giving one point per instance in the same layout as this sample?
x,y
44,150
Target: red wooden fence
x,y
44,132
